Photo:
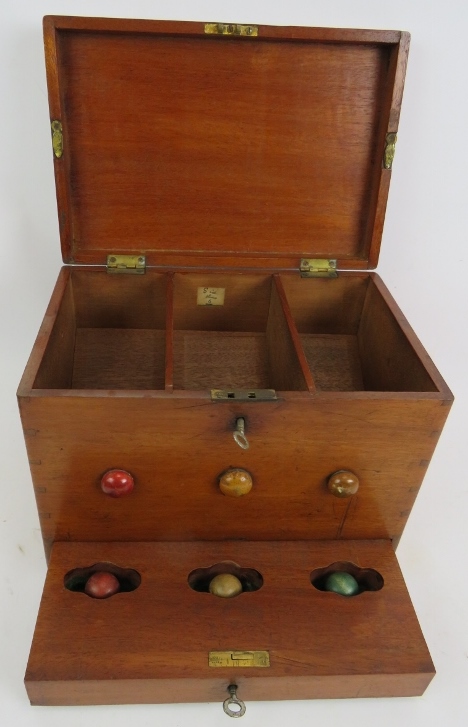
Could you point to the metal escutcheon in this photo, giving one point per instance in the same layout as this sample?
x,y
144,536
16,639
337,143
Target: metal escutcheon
x,y
234,700
239,434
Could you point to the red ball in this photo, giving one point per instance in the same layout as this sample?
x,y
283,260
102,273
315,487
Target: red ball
x,y
102,584
117,483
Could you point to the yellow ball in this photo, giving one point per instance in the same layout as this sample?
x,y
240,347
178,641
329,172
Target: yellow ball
x,y
225,585
235,482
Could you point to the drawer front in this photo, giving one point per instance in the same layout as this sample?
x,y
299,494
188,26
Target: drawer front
x,y
303,642
176,448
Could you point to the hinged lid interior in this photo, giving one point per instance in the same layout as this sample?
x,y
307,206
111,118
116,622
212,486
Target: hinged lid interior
x,y
197,148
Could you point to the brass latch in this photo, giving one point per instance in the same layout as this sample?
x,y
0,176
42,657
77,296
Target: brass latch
x,y
130,264
239,658
243,395
318,268
230,29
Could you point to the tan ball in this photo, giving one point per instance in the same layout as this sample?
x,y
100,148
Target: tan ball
x,y
235,482
225,585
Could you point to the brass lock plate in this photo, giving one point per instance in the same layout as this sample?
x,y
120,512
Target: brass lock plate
x,y
243,395
239,658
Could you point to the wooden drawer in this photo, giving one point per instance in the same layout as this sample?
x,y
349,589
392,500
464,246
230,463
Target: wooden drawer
x,y
153,644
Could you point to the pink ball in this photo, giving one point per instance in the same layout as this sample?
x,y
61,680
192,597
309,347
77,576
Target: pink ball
x,y
102,585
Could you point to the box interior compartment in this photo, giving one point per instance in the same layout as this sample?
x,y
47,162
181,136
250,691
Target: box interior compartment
x,y
109,333
201,331
351,339
244,343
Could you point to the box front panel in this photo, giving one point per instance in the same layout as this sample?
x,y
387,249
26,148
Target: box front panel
x,y
177,446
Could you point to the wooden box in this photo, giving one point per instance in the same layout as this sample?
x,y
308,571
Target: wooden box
x,y
221,196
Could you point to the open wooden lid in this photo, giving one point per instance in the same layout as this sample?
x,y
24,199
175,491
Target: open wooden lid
x,y
228,146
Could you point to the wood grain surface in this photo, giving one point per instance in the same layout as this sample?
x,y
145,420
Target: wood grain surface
x,y
135,647
176,441
276,153
224,161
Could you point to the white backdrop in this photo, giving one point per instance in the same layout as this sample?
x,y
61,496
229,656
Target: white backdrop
x,y
422,258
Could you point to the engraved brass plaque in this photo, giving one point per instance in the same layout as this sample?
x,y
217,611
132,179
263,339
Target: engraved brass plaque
x,y
239,658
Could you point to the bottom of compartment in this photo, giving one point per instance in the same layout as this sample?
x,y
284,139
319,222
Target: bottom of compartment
x,y
119,358
334,360
220,360
153,644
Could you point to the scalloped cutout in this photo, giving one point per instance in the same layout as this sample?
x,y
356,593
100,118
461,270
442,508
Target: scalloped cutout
x,y
200,578
368,579
75,580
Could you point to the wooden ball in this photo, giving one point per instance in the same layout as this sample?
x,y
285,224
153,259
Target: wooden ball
x,y
343,583
343,483
225,585
117,483
102,584
235,482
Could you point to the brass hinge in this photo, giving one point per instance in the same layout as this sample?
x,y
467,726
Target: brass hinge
x,y
230,29
130,264
318,268
57,138
389,153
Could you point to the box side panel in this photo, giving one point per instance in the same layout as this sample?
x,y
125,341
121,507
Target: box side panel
x,y
61,296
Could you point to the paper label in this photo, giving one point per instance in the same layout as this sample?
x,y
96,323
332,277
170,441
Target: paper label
x,y
210,296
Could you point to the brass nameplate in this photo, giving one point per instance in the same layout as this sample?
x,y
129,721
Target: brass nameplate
x,y
243,395
210,296
231,29
239,658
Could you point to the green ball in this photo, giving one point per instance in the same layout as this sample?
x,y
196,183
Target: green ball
x,y
343,583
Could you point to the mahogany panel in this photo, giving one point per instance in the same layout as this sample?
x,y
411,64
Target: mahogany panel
x,y
45,334
119,358
245,308
323,305
334,361
56,366
127,648
388,360
177,445
287,374
221,360
169,343
104,300
287,358
289,172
